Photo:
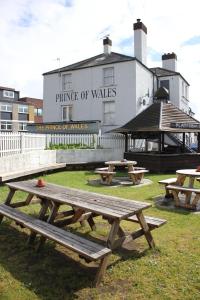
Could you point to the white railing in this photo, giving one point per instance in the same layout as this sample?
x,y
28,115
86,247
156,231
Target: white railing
x,y
14,143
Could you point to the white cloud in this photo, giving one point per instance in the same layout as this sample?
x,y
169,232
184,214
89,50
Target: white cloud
x,y
36,32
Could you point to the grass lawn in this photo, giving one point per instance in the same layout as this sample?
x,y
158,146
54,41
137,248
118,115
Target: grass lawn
x,y
172,271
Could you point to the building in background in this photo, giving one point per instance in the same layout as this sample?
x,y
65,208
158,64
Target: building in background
x,y
14,114
38,107
112,87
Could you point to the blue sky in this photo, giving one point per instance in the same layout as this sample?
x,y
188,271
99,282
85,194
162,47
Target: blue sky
x,y
34,33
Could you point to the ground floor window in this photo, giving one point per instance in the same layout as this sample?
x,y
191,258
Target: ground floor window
x,y
67,113
22,126
109,112
6,125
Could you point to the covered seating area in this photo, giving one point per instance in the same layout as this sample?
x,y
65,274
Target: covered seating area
x,y
166,132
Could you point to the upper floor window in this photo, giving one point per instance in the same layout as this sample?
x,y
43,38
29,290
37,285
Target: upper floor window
x,y
38,112
8,94
165,84
6,107
108,76
67,113
67,82
109,113
23,109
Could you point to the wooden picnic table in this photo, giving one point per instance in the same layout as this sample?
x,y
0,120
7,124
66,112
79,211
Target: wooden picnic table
x,y
179,188
84,206
121,163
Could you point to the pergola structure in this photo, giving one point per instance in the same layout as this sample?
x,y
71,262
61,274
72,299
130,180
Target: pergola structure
x,y
160,119
158,123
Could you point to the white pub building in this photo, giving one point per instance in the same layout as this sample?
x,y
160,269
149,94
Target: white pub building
x,y
111,87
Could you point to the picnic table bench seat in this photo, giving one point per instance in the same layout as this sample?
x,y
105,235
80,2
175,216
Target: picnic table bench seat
x,y
90,250
152,222
137,175
176,189
106,175
166,182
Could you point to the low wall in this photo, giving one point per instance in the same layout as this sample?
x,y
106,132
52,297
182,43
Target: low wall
x,y
82,156
75,159
165,163
27,160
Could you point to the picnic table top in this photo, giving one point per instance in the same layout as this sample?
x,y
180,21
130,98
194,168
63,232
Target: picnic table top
x,y
121,162
188,172
105,205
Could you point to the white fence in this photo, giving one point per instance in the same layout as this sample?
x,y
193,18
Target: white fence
x,y
14,143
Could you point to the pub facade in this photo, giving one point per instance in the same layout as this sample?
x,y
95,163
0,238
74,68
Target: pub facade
x,y
111,87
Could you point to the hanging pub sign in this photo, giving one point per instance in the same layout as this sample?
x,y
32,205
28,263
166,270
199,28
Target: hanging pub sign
x,y
79,127
185,125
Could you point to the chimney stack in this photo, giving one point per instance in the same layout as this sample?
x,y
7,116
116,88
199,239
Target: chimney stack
x,y
140,41
169,61
107,44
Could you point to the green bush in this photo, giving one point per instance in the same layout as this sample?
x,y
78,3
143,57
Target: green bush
x,y
69,146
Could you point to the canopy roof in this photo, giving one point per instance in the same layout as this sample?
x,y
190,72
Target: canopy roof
x,y
159,117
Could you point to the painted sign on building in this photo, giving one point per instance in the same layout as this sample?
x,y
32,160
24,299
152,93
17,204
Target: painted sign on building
x,y
186,125
66,127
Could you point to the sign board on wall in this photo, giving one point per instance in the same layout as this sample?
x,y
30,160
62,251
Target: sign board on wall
x,y
90,127
185,125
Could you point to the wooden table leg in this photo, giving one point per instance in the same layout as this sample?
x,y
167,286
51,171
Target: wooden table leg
x,y
113,232
146,229
50,220
180,180
8,201
43,210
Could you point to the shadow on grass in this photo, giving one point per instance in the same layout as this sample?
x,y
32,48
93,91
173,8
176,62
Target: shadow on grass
x,y
50,274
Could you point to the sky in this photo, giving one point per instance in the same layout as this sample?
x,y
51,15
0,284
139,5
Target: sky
x,y
37,36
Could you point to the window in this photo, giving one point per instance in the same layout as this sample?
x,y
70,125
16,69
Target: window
x,y
23,117
67,113
6,115
6,107
22,126
6,125
165,84
8,94
108,76
38,112
67,82
109,113
23,109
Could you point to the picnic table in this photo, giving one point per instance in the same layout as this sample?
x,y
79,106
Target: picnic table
x,y
82,205
121,163
180,187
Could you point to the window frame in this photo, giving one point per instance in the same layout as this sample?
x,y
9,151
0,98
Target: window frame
x,y
68,113
24,109
8,94
111,114
108,80
67,85
7,106
6,123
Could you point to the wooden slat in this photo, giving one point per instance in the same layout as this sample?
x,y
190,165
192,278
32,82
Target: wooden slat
x,y
183,189
105,205
85,247
21,173
151,221
168,181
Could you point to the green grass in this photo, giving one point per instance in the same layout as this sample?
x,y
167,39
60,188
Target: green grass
x,y
172,271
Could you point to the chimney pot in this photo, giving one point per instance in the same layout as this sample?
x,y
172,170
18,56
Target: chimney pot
x,y
107,43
